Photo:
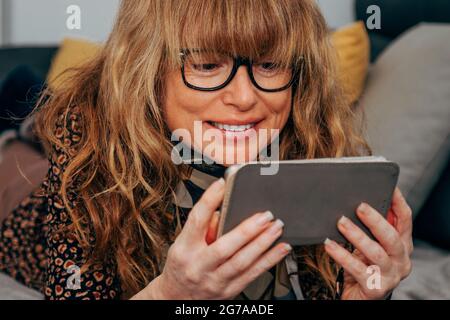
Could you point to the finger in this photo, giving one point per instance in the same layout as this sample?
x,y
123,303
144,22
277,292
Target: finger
x,y
200,216
211,234
403,213
228,244
391,218
369,248
247,256
263,264
355,267
382,230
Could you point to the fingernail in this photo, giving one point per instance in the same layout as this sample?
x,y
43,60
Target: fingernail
x,y
277,225
344,222
221,181
363,208
287,247
266,217
330,243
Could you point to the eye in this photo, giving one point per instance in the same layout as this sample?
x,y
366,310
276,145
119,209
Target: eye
x,y
269,65
205,67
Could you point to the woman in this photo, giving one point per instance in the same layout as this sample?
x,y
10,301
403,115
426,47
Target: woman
x,y
117,218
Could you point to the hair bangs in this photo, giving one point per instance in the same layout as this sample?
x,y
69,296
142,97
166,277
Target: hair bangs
x,y
257,29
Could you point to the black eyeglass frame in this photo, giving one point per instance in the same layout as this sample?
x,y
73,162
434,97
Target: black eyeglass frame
x,y
237,63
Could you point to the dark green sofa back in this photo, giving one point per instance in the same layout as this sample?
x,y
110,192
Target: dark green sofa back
x,y
399,15
38,59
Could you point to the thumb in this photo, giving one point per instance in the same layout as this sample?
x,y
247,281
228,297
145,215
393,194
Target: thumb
x,y
211,235
200,216
391,218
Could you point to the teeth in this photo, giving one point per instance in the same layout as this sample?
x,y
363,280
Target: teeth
x,y
233,127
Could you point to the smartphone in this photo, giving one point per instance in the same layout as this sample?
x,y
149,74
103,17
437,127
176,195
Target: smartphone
x,y
309,196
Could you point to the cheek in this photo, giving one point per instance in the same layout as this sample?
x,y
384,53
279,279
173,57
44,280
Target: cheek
x,y
181,105
280,106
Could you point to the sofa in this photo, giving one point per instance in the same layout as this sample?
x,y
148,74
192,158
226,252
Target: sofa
x,y
406,105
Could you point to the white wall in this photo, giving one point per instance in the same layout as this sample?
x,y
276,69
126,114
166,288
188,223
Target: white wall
x,y
1,22
43,22
338,12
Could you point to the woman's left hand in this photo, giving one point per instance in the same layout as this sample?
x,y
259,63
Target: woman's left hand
x,y
389,257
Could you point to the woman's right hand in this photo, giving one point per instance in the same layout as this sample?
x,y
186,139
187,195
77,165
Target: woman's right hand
x,y
195,269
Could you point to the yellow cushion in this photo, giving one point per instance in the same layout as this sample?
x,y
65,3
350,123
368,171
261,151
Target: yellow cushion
x,y
72,53
353,51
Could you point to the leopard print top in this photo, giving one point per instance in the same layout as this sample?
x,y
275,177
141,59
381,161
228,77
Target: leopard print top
x,y
33,251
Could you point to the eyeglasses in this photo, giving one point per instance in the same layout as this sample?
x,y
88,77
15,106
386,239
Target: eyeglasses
x,y
207,70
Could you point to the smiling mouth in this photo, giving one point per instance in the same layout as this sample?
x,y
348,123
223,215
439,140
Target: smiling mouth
x,y
232,128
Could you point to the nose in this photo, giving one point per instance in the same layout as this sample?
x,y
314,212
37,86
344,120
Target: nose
x,y
241,91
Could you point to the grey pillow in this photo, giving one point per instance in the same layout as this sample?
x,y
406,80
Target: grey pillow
x,y
12,290
407,106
